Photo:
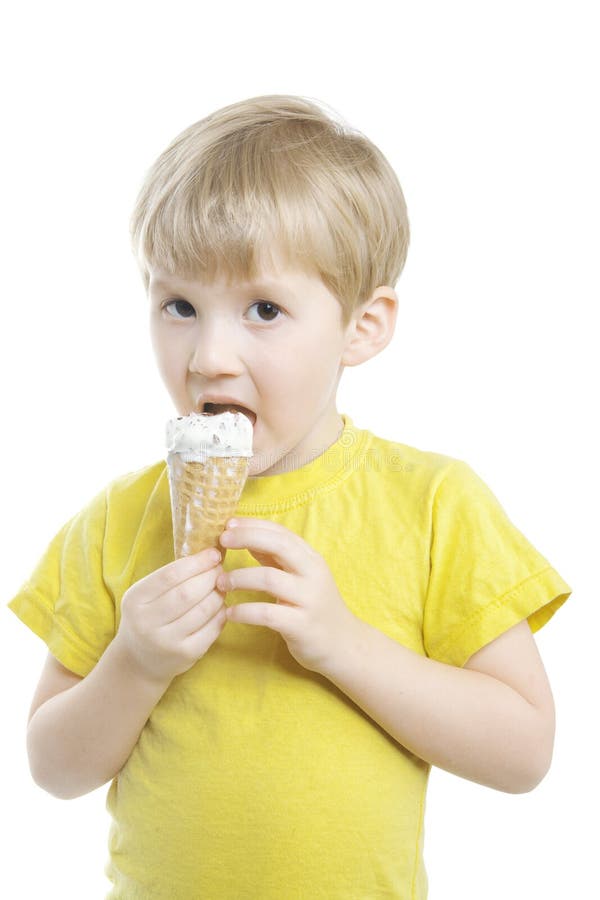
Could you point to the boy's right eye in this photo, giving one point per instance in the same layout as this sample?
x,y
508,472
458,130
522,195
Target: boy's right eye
x,y
179,309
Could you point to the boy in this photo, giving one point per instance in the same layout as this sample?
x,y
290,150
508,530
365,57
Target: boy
x,y
380,605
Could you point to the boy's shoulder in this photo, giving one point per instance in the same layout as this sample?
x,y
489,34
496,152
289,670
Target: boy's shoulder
x,y
390,456
134,512
133,491
138,481
446,483
129,491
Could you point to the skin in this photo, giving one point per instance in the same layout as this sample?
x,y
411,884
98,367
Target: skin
x,y
279,348
282,361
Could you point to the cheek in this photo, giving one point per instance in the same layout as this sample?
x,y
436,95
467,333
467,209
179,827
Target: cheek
x,y
306,375
162,358
171,368
169,358
157,341
301,368
321,360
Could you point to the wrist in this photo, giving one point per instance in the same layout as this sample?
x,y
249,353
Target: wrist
x,y
346,648
130,667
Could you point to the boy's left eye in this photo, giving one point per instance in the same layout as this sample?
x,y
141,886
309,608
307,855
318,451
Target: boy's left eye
x,y
268,311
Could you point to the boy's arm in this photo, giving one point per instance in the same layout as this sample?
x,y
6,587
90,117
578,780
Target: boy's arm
x,y
82,730
491,721
55,679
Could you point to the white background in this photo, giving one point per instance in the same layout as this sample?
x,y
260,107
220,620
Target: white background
x,y
489,114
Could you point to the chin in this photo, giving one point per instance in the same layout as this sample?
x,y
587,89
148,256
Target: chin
x,y
257,467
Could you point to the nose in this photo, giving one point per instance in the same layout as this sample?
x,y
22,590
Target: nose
x,y
216,352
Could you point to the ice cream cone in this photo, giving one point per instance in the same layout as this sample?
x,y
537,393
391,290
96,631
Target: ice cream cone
x,y
204,495
208,463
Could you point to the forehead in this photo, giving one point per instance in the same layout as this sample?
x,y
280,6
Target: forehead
x,y
289,280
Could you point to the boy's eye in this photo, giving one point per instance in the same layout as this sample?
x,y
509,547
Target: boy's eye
x,y
182,309
179,309
267,312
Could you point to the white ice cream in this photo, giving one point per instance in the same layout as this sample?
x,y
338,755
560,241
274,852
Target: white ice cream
x,y
199,436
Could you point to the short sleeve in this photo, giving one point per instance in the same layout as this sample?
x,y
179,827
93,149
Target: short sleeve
x,y
485,576
65,601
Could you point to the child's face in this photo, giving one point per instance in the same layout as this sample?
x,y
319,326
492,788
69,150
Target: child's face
x,y
275,347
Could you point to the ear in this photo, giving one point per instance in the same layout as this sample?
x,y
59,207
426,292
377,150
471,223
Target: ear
x,y
371,327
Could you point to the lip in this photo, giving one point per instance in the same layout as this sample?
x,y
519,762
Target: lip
x,y
223,399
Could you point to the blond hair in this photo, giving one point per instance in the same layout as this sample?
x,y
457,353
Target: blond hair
x,y
274,172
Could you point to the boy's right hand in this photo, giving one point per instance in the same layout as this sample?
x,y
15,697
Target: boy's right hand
x,y
171,617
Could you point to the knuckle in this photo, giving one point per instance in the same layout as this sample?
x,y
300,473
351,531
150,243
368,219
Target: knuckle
x,y
180,597
188,594
169,576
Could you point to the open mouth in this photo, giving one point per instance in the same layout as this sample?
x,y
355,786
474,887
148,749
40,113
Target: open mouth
x,y
213,409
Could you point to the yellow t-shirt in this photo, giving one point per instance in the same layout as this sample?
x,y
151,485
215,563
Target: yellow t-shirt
x,y
254,778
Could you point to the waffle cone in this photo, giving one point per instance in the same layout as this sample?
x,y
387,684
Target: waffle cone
x,y
203,496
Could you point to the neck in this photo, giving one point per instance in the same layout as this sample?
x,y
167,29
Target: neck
x,y
314,444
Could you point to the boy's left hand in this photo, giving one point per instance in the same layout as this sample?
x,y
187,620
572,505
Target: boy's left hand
x,y
310,614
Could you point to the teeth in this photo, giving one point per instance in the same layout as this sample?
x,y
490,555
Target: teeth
x,y
214,409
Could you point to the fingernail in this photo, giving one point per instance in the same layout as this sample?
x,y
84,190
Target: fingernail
x,y
233,523
214,556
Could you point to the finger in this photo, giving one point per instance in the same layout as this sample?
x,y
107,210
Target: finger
x,y
197,644
270,615
265,524
262,578
198,616
179,600
286,549
180,570
253,522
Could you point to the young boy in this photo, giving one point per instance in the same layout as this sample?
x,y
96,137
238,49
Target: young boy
x,y
379,603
